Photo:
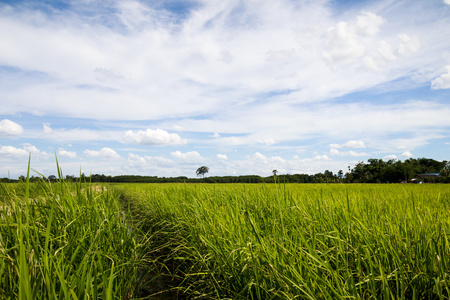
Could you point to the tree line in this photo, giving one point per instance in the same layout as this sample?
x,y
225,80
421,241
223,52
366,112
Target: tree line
x,y
372,171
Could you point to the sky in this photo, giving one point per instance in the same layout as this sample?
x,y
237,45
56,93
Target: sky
x,y
162,87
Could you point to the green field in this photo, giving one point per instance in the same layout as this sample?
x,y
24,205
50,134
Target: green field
x,y
224,241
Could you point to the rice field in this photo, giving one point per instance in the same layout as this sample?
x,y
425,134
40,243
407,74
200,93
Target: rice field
x,y
296,241
224,241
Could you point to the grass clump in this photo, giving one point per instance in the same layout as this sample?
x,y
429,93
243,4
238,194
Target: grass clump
x,y
66,241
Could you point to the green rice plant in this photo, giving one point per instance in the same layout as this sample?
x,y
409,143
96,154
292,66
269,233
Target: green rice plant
x,y
66,241
298,241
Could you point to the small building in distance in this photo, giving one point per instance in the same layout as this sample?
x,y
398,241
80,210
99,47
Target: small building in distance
x,y
428,176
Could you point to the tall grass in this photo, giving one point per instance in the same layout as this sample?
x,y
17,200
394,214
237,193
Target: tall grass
x,y
66,241
299,241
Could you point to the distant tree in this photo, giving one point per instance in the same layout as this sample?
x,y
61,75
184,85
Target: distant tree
x,y
202,171
445,171
52,178
340,175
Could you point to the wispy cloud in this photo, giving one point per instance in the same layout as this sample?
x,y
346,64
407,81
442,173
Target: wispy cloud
x,y
443,81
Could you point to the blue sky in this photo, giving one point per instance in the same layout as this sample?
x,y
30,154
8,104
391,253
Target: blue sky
x,y
244,87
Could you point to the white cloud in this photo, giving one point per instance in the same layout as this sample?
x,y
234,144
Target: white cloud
x,y
354,144
159,161
335,146
334,151
11,152
154,137
342,44
408,44
447,2
443,81
406,154
385,50
222,156
321,157
350,144
10,128
135,159
64,153
390,157
354,153
47,128
35,152
189,157
345,42
369,23
267,141
14,153
260,158
104,153
178,128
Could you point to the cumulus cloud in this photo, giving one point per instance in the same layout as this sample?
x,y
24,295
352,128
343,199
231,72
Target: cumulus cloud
x,y
14,153
344,42
447,2
222,156
35,151
334,151
443,81
189,157
11,152
10,128
64,153
157,137
104,153
406,154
